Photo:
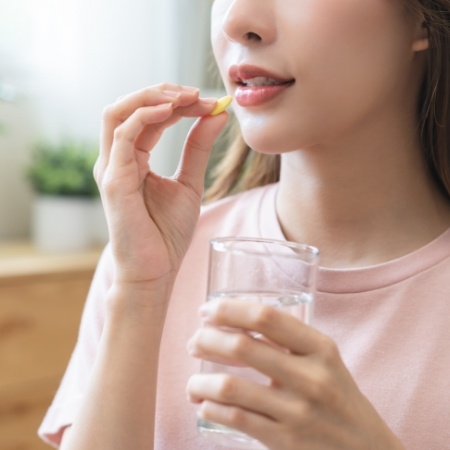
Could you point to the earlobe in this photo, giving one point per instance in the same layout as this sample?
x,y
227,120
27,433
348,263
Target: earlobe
x,y
420,45
422,42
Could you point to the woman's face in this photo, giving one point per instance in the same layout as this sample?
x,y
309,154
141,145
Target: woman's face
x,y
310,72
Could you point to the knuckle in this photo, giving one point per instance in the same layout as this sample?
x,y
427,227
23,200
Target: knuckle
x,y
321,386
221,310
329,352
240,345
162,86
236,416
300,414
108,112
324,388
141,115
264,317
120,134
303,411
195,144
199,340
159,86
97,171
227,388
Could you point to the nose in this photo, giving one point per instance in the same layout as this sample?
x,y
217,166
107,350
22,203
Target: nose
x,y
250,22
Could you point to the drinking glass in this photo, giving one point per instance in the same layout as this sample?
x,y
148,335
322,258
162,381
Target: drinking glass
x,y
280,274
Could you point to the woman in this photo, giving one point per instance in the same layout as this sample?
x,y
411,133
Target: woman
x,y
351,98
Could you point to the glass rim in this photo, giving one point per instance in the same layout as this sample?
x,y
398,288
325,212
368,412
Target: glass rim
x,y
220,244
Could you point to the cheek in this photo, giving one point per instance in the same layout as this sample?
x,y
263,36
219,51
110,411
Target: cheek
x,y
356,41
353,59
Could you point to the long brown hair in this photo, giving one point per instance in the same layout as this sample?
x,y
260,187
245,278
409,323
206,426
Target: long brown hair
x,y
241,168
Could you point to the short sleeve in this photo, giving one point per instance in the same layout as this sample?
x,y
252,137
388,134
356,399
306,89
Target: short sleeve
x,y
68,398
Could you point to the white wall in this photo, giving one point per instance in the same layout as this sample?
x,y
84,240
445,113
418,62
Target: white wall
x,y
70,58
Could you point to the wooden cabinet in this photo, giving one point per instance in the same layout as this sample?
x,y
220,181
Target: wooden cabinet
x,y
41,301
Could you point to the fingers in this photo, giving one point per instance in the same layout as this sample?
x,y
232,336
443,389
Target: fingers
x,y
185,100
121,110
255,410
234,348
227,389
275,324
237,403
231,390
194,160
152,96
302,377
152,133
308,363
250,423
123,148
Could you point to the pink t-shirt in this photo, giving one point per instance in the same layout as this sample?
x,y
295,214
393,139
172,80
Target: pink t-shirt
x,y
391,322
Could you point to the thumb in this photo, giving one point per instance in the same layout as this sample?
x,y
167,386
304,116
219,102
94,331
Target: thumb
x,y
197,149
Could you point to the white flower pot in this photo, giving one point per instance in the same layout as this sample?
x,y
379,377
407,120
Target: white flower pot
x,y
62,224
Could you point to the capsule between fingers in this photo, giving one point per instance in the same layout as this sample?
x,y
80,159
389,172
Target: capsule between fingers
x,y
221,105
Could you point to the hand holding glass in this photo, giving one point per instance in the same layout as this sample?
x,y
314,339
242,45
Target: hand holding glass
x,y
280,274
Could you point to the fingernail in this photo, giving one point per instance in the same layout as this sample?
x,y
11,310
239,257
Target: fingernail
x,y
164,106
190,89
173,94
209,100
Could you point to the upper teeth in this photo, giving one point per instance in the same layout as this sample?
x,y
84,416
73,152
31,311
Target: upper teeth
x,y
260,81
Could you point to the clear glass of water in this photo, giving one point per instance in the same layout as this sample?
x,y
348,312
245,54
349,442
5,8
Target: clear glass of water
x,y
280,274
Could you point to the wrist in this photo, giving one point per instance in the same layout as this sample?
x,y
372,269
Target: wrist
x,y
141,301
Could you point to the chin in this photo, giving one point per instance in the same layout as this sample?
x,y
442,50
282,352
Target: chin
x,y
265,141
274,135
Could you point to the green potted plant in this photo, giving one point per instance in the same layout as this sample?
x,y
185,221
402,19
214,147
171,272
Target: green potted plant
x,y
66,195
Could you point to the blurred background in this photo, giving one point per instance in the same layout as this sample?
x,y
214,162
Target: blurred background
x,y
61,63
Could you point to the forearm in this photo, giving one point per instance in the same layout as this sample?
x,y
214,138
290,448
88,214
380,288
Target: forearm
x,y
119,405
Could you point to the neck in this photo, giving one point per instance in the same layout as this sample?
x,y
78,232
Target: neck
x,y
361,205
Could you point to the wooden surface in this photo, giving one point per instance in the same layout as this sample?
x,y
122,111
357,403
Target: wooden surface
x,y
21,259
41,300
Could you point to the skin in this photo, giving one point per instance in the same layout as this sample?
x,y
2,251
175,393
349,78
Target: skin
x,y
347,134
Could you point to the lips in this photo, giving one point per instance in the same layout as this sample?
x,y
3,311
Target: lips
x,y
256,85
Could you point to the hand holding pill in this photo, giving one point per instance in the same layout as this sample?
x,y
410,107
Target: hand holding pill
x,y
157,213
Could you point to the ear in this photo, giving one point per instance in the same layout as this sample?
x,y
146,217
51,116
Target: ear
x,y
421,38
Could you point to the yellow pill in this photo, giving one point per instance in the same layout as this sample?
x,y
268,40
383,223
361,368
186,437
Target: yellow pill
x,y
221,105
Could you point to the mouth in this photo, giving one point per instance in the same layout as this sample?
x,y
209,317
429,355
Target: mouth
x,y
254,77
262,81
256,86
